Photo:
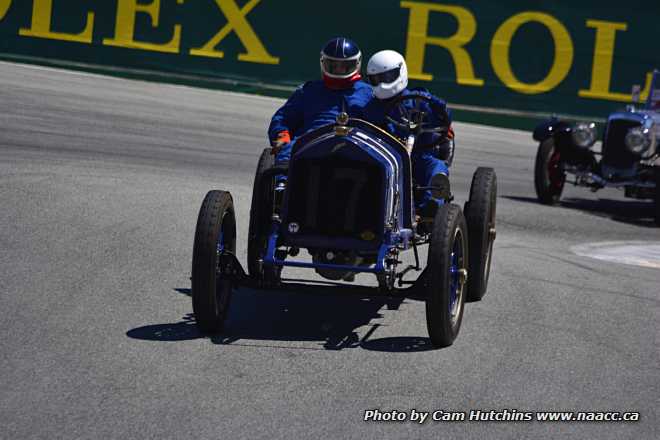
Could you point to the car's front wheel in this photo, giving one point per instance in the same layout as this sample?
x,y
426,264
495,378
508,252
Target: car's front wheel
x,y
215,234
446,275
549,177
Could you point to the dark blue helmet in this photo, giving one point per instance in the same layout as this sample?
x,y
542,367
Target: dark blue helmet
x,y
341,60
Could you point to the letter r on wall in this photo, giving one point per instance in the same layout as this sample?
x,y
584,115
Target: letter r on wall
x,y
418,39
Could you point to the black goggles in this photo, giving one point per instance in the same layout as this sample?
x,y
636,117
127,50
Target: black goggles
x,y
340,67
384,78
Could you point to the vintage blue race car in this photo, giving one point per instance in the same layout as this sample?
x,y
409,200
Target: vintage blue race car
x,y
349,201
629,157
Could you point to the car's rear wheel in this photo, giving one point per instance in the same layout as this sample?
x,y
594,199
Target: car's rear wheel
x,y
549,177
446,275
261,210
215,234
480,217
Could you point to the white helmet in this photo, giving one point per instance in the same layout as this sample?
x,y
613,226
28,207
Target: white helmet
x,y
387,73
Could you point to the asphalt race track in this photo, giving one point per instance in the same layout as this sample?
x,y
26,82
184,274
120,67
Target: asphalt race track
x,y
101,180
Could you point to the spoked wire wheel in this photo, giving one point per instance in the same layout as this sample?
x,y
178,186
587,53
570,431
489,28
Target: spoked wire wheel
x,y
457,276
215,235
446,275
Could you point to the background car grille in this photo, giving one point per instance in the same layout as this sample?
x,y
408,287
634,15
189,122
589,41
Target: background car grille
x,y
615,152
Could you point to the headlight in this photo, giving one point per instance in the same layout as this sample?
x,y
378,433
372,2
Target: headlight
x,y
584,134
639,140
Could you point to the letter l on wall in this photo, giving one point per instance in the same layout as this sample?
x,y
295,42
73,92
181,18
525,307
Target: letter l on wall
x,y
601,73
42,11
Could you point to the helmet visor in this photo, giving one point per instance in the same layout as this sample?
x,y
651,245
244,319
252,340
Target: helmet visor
x,y
340,67
385,78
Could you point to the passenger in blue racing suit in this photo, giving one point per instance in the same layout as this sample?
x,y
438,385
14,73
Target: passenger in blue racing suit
x,y
432,152
318,103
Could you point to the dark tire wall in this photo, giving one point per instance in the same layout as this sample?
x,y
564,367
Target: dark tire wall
x,y
546,193
656,199
448,218
480,213
259,211
210,296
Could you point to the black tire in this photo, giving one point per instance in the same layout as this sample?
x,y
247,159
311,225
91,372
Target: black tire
x,y
480,217
549,179
261,210
442,322
656,198
211,293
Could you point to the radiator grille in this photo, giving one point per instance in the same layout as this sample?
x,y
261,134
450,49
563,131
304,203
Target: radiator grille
x,y
615,152
336,198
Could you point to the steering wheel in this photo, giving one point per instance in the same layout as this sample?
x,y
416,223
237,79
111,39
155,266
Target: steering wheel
x,y
415,120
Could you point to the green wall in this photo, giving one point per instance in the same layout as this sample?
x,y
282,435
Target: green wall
x,y
579,57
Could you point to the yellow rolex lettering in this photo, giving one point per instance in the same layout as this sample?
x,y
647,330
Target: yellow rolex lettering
x,y
236,22
41,24
127,11
561,64
601,70
418,39
4,7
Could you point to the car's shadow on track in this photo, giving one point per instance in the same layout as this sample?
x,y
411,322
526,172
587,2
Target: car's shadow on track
x,y
635,212
329,315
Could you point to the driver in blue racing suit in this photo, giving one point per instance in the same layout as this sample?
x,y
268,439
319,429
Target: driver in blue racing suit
x,y
318,103
432,152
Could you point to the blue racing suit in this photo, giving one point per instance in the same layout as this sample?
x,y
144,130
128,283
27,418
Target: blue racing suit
x,y
314,105
425,163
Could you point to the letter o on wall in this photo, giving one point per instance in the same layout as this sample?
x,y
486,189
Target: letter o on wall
x,y
562,61
4,7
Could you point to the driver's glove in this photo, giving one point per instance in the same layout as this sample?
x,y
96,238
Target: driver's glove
x,y
283,138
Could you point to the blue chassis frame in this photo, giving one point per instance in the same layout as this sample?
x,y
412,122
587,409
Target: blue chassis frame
x,y
391,242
